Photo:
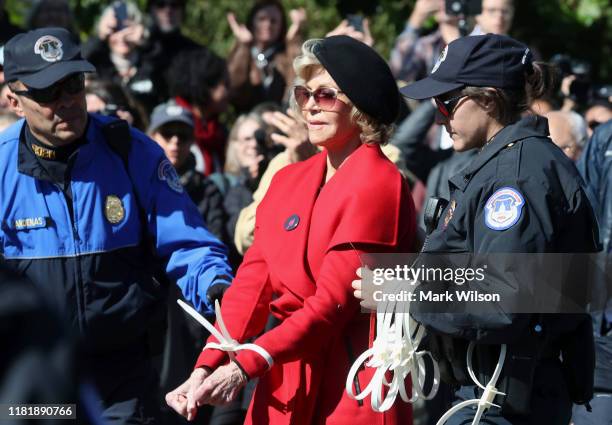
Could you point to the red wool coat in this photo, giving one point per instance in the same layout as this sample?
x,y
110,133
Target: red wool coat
x,y
303,276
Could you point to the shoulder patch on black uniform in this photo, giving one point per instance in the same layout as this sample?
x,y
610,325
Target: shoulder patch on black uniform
x,y
503,208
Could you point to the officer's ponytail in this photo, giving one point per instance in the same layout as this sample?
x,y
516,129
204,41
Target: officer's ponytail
x,y
540,79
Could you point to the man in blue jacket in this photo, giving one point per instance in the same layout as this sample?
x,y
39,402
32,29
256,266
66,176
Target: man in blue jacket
x,y
90,213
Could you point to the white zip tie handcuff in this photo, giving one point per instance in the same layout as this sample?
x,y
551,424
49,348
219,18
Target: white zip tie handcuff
x,y
226,342
489,393
395,350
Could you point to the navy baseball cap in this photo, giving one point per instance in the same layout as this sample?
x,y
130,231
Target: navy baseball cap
x,y
169,112
42,57
489,60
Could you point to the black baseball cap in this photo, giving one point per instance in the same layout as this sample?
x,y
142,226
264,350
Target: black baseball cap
x,y
489,60
42,57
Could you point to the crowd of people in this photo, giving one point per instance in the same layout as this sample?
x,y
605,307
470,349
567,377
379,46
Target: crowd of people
x,y
278,196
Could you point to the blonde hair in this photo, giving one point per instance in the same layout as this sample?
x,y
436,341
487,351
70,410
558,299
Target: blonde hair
x,y
232,164
306,65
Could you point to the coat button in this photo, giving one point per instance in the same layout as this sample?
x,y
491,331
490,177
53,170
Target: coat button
x,y
292,222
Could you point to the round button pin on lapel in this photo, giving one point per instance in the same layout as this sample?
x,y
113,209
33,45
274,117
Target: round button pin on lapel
x,y
292,222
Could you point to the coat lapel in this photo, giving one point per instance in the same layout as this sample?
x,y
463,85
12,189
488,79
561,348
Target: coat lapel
x,y
285,219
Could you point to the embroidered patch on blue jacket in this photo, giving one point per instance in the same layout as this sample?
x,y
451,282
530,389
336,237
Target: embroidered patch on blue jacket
x,y
167,173
503,208
29,223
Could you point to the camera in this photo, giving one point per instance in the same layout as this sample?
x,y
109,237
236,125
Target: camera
x,y
463,7
355,21
580,89
121,14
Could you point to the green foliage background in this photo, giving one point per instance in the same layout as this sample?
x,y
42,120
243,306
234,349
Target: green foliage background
x,y
581,28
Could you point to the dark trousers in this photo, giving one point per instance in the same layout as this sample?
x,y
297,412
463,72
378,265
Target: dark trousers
x,y
550,402
126,385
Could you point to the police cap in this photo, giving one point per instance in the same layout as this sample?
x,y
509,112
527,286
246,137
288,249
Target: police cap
x,y
489,60
41,57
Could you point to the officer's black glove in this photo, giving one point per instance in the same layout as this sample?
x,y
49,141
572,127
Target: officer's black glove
x,y
215,292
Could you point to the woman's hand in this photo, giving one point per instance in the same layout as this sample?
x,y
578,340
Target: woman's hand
x,y
241,32
423,9
298,17
221,387
345,29
133,33
178,399
295,139
107,25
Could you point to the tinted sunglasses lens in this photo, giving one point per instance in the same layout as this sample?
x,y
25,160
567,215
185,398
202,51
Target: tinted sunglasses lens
x,y
74,84
326,98
301,95
182,135
441,107
46,95
593,124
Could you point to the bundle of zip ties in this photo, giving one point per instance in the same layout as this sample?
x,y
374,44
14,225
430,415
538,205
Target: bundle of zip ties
x,y
394,352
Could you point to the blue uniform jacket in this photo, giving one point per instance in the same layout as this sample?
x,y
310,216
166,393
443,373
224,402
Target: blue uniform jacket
x,y
93,264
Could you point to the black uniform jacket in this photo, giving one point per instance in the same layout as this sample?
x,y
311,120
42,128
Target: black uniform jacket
x,y
520,194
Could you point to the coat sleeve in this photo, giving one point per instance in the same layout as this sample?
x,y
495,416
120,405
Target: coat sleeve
x,y
323,315
193,257
245,305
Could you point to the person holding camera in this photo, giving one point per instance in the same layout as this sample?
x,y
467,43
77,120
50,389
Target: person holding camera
x,y
414,55
260,62
116,52
495,17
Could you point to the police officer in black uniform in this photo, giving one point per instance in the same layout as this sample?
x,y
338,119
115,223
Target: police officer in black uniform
x,y
520,194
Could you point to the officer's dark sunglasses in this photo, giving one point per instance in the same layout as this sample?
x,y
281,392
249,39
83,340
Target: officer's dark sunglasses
x,y
446,107
325,97
71,85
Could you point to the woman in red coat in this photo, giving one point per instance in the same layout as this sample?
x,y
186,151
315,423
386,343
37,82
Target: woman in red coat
x,y
316,220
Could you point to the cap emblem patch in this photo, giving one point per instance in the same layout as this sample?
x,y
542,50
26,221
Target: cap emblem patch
x,y
441,59
174,110
49,48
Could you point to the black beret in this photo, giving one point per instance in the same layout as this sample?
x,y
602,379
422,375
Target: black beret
x,y
362,74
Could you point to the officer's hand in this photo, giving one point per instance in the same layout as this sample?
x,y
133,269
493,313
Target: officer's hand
x,y
215,292
361,292
221,387
178,398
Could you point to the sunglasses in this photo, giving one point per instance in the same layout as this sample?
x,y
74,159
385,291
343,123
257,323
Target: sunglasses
x,y
184,136
71,85
593,124
168,3
447,107
324,97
